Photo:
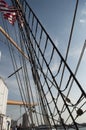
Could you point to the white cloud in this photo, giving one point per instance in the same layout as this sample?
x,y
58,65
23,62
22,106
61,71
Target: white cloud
x,y
82,21
56,42
74,52
0,55
83,12
54,67
83,15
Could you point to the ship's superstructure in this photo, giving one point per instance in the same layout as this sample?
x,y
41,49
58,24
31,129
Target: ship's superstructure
x,y
5,122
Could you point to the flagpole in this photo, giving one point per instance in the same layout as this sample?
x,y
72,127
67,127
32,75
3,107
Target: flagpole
x,y
13,42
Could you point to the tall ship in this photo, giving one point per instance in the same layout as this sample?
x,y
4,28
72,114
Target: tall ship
x,y
40,87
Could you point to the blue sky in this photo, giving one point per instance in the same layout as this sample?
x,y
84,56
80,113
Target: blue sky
x,y
56,16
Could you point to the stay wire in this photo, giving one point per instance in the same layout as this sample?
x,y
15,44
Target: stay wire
x,y
26,76
78,64
70,38
45,79
28,80
69,42
15,65
48,68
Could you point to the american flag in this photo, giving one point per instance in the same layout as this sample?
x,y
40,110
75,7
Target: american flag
x,y
11,17
3,4
9,12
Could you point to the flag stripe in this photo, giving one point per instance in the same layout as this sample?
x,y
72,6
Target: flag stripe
x,y
7,9
10,13
11,17
3,4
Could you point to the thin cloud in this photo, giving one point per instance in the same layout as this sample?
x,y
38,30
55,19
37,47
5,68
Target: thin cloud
x,y
56,42
0,55
83,12
74,52
82,21
83,15
54,67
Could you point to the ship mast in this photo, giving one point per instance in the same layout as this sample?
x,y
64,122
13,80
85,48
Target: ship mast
x,y
13,42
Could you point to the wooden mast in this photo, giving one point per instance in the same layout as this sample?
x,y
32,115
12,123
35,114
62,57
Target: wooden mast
x,y
20,103
13,42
